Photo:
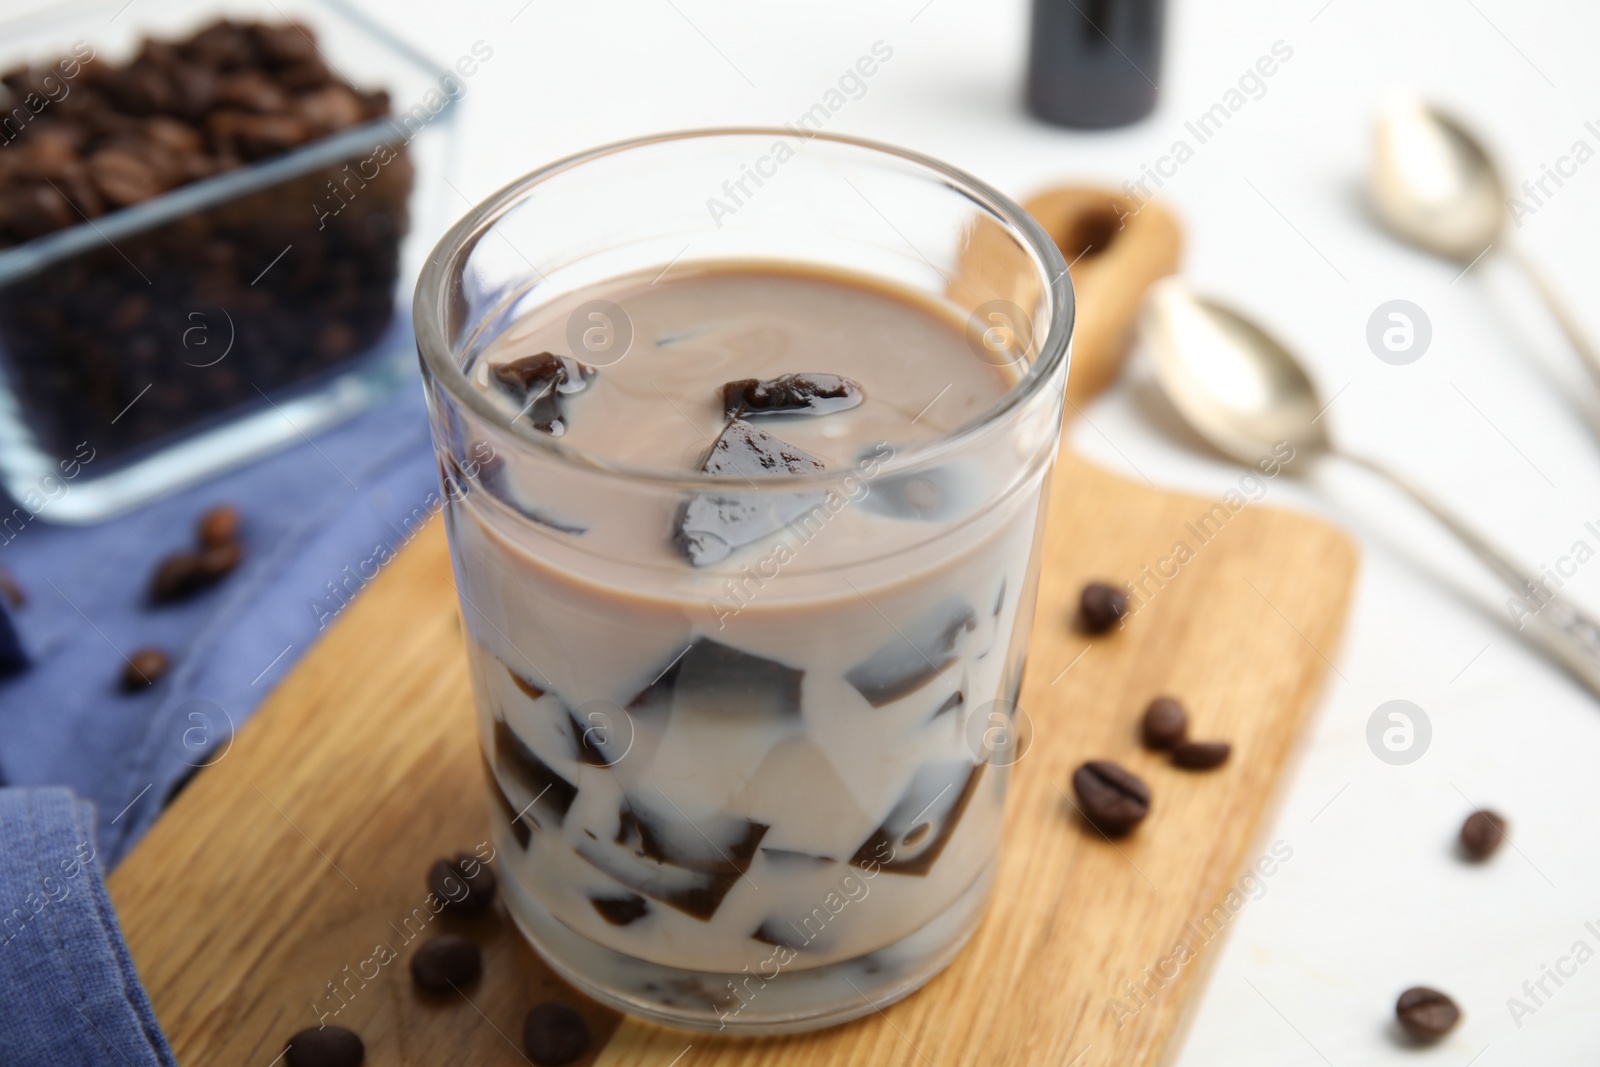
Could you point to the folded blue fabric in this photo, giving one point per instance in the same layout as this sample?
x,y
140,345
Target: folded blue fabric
x,y
68,993
320,520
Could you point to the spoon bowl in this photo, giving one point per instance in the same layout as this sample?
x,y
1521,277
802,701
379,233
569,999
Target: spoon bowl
x,y
1237,385
1245,392
1433,183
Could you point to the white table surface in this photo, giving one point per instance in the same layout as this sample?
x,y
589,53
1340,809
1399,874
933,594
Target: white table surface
x,y
1492,416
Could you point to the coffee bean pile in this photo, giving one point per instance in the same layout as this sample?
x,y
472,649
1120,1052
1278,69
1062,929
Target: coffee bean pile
x,y
99,137
137,332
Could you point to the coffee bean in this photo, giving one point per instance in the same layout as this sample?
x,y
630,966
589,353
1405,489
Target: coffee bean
x,y
286,44
1201,755
144,668
10,589
1164,724
1426,1014
216,562
183,574
1482,833
329,1046
1112,799
177,577
218,526
260,136
466,884
251,90
122,177
330,109
447,963
33,210
1101,607
554,1034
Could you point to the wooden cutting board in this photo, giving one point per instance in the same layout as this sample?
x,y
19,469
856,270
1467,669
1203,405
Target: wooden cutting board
x,y
275,876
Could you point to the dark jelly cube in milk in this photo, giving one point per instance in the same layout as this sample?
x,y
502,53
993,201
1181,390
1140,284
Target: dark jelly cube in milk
x,y
621,910
686,865
942,494
914,656
710,526
922,821
495,479
522,831
533,691
786,858
780,934
790,394
601,733
952,702
540,385
711,677
546,789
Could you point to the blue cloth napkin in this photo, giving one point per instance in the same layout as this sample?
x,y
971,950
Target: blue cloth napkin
x,y
68,993
318,519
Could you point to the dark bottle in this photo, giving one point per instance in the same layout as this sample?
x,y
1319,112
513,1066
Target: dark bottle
x,y
1093,64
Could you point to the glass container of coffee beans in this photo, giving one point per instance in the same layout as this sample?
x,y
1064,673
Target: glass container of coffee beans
x,y
209,221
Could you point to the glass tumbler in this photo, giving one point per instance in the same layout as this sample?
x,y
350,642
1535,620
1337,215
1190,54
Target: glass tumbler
x,y
764,795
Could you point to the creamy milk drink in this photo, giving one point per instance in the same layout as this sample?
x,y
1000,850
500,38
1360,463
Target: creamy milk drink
x,y
745,546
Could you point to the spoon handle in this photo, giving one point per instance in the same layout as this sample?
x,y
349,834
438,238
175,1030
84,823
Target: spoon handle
x,y
1558,307
1564,630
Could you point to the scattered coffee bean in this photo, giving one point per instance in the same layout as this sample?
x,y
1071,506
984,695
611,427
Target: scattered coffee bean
x,y
1426,1014
447,963
216,562
1101,607
218,527
177,577
1112,799
144,668
1201,755
466,884
183,574
540,383
1164,724
15,596
554,1034
122,177
1482,833
329,1046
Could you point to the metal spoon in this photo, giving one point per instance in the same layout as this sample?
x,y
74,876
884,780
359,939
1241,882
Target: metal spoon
x,y
1434,185
1247,395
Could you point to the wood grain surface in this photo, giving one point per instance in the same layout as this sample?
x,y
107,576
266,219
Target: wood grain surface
x,y
275,890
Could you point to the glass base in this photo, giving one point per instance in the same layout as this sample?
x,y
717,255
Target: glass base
x,y
751,1003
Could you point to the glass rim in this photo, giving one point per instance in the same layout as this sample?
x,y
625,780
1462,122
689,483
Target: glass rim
x,y
438,357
